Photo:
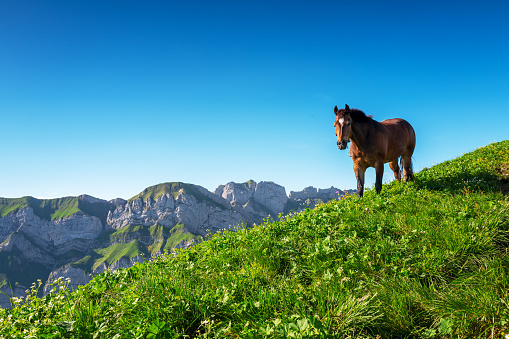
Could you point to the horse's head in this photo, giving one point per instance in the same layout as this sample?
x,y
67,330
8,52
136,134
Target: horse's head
x,y
343,125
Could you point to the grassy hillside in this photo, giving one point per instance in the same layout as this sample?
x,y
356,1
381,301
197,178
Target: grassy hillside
x,y
427,259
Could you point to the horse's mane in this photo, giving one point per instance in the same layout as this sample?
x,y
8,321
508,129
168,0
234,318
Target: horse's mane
x,y
358,115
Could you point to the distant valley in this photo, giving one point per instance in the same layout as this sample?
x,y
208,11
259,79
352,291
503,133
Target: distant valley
x,y
79,237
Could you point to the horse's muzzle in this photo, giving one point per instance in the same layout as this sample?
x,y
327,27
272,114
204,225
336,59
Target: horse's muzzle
x,y
342,144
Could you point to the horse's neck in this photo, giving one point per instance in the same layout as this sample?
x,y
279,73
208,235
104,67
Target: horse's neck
x,y
362,134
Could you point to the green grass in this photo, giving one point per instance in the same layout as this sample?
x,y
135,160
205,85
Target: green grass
x,y
57,208
427,259
127,233
12,205
87,262
110,255
177,235
130,232
156,231
115,252
47,209
155,248
154,192
50,209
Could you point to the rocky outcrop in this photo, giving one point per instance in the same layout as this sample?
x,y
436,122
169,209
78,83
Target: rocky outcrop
x,y
8,225
78,231
18,242
313,193
138,212
74,275
198,216
272,196
236,194
117,202
255,202
33,242
98,207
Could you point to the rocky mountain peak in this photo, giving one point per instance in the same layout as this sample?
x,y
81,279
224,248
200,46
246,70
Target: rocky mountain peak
x,y
236,194
271,195
90,199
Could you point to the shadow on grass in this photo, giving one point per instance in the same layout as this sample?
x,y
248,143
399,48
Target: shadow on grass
x,y
462,181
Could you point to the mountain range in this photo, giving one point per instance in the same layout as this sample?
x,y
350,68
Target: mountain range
x,y
79,237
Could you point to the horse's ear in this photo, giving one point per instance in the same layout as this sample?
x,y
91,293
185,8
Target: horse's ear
x,y
347,108
336,110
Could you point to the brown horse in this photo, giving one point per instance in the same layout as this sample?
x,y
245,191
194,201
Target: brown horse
x,y
375,143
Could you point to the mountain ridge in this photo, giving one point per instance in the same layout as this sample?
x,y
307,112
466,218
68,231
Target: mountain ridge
x,y
76,237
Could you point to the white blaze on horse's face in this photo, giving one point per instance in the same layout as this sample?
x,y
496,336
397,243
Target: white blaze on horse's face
x,y
343,130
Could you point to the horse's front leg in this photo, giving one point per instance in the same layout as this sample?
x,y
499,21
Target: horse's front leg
x,y
379,168
359,174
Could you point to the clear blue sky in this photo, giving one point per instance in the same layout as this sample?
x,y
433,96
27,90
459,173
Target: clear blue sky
x,y
109,97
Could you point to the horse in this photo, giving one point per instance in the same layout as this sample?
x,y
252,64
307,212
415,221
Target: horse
x,y
374,144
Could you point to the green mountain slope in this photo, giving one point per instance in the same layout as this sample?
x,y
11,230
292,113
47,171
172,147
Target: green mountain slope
x,y
47,209
50,209
427,259
131,241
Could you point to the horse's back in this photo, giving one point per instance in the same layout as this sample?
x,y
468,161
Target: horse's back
x,y
401,133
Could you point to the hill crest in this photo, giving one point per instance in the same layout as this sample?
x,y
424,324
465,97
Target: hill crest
x,y
425,259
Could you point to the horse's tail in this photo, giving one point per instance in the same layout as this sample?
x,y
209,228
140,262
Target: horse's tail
x,y
400,170
410,169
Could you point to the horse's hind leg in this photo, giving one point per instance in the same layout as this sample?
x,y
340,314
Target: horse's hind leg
x,y
379,168
408,173
395,168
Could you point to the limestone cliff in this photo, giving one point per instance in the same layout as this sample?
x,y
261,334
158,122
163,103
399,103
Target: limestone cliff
x,y
193,206
253,201
311,196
